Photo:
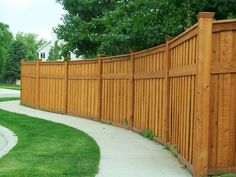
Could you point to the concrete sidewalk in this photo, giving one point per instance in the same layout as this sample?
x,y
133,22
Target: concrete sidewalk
x,y
123,152
3,141
9,93
7,140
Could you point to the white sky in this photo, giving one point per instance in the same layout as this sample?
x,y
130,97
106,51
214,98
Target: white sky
x,y
35,16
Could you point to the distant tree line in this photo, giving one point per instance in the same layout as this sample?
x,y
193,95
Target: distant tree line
x,y
115,27
15,48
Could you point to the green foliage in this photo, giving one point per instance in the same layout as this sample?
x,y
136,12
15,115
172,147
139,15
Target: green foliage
x,y
147,134
65,52
6,38
2,78
55,52
126,121
138,25
225,9
25,47
116,26
11,70
80,24
172,148
31,43
225,175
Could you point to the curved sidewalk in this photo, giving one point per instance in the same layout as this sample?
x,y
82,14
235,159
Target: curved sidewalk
x,y
123,152
9,93
7,140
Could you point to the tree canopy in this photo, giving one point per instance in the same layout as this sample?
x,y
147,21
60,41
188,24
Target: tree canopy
x,y
13,49
11,70
6,38
116,26
31,44
55,52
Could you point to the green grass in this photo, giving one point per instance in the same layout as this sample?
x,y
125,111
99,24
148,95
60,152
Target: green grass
x,y
47,149
147,134
9,99
226,175
10,86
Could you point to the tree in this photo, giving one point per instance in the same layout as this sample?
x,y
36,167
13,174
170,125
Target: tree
x,y
55,52
116,26
6,38
31,43
11,70
139,24
79,26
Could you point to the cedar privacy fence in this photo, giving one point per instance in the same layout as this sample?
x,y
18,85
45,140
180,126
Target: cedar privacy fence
x,y
183,90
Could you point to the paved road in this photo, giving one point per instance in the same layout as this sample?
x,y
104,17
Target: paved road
x,y
123,152
9,93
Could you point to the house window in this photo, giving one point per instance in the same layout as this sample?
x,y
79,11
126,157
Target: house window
x,y
42,55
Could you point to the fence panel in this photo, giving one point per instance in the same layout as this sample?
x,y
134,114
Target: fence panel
x,y
52,86
28,83
116,90
149,74
223,98
182,75
83,88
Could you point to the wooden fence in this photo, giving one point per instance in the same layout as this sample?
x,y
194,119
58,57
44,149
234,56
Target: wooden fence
x,y
184,91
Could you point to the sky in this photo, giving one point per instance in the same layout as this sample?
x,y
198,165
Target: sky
x,y
34,16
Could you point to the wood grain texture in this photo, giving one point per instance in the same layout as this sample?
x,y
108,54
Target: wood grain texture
x,y
201,121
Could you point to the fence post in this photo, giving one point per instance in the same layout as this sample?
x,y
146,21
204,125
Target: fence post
x,y
37,83
66,88
100,57
131,90
21,66
166,93
201,121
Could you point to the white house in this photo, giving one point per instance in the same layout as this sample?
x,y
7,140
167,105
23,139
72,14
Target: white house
x,y
45,49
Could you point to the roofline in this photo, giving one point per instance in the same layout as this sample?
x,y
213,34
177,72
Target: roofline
x,y
43,46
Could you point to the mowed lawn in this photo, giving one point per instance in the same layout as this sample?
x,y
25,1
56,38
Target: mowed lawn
x,y
226,175
47,149
9,86
9,99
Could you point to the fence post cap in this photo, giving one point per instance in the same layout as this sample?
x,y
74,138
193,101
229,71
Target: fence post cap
x,y
206,15
39,60
22,60
169,38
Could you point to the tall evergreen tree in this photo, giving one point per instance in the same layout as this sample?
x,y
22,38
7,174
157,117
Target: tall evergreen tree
x,y
11,70
6,39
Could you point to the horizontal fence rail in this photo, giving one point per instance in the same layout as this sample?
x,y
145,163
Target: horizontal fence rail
x,y
183,91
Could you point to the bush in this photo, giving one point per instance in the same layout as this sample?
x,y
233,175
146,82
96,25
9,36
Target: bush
x,y
147,134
